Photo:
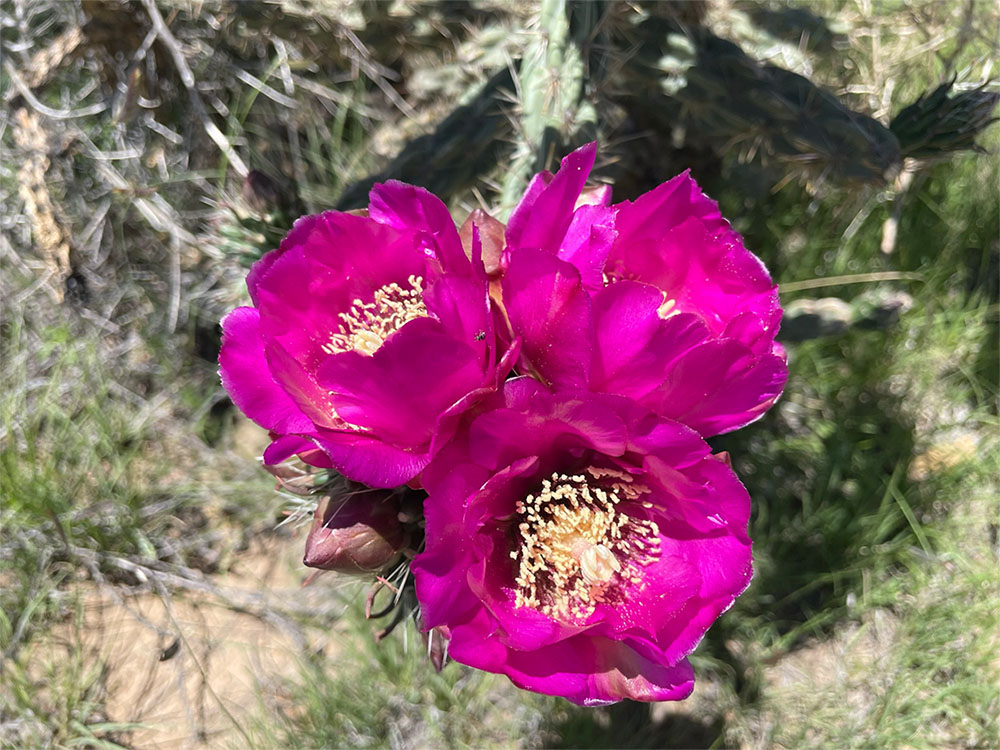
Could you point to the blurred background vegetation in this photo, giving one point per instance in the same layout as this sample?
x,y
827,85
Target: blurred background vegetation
x,y
152,149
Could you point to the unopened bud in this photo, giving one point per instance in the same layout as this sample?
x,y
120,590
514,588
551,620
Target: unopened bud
x,y
491,235
356,532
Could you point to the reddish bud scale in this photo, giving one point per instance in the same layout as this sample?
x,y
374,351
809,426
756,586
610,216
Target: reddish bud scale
x,y
491,235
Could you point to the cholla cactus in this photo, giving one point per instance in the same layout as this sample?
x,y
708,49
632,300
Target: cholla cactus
x,y
710,94
937,124
806,319
551,87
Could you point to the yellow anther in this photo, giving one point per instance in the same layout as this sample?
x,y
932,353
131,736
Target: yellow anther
x,y
366,325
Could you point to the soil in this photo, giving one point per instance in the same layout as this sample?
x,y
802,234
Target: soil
x,y
191,668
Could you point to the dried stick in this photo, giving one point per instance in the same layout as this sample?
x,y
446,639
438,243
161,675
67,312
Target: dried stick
x,y
187,78
55,114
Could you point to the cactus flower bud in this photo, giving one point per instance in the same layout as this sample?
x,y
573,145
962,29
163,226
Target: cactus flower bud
x,y
356,532
491,235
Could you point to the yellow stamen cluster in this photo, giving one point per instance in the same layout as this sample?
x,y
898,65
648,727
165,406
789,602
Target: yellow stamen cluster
x,y
366,325
576,544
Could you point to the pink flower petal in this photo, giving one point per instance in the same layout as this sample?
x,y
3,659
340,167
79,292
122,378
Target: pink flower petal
x,y
544,214
536,423
369,460
586,670
655,213
413,208
245,375
462,305
635,347
550,310
286,446
710,274
719,386
400,391
587,243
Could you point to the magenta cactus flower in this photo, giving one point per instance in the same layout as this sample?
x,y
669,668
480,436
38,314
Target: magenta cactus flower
x,y
578,534
368,336
580,544
656,299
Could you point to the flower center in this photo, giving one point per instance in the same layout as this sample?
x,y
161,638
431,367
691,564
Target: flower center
x,y
366,325
576,543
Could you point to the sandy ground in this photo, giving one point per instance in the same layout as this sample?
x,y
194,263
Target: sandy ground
x,y
190,668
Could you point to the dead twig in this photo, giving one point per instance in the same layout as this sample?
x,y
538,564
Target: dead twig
x,y
161,215
378,74
56,114
890,227
255,83
206,684
852,278
251,603
187,78
175,283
